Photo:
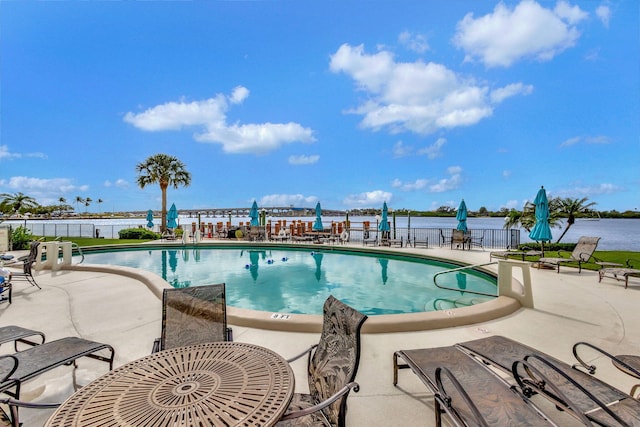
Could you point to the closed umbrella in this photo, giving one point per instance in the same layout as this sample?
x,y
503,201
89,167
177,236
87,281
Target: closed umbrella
x,y
253,213
172,217
317,226
461,216
384,222
150,218
541,231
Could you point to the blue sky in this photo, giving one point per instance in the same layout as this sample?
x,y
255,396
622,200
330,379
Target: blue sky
x,y
417,103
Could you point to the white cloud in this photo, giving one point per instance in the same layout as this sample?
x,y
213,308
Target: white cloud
x,y
240,93
414,42
401,150
368,199
414,97
210,115
527,31
418,184
500,94
599,139
450,183
304,160
297,200
589,190
45,191
5,153
604,14
434,150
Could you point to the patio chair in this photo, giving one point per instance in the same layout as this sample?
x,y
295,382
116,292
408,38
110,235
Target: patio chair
x,y
569,388
466,390
459,238
508,253
332,367
582,253
27,266
193,315
27,364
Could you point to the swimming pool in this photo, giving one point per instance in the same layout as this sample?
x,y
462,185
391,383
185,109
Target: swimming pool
x,y
298,280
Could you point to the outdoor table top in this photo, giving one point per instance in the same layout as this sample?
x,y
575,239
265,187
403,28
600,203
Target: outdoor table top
x,y
213,384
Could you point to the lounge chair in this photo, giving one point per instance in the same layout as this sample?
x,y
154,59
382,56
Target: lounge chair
x,y
18,334
582,253
476,396
618,273
193,315
332,367
6,290
570,389
509,253
24,365
27,266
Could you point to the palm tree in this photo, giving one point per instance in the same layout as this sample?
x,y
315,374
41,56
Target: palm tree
x,y
79,200
164,170
571,207
14,203
100,201
527,217
87,202
62,202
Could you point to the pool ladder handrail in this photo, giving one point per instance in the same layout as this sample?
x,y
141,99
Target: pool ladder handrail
x,y
466,267
74,246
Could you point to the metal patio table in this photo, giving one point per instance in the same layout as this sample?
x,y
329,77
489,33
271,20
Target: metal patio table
x,y
217,384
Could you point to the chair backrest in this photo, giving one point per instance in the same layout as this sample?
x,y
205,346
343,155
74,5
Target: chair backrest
x,y
585,248
335,361
193,315
457,236
33,252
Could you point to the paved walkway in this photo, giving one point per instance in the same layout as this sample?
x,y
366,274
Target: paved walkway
x,y
125,313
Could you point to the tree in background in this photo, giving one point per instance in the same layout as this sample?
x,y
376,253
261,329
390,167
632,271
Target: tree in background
x,y
164,170
79,200
87,202
570,207
17,203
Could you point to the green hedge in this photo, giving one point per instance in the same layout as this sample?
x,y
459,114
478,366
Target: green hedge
x,y
138,233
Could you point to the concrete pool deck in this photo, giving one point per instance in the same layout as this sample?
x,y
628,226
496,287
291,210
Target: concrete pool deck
x,y
125,313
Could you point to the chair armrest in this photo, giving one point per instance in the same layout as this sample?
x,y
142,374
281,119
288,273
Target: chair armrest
x,y
13,368
315,408
591,369
446,399
298,356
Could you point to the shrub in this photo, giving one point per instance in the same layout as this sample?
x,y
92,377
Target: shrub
x,y
20,238
138,233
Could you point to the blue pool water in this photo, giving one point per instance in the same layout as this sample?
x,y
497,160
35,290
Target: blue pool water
x,y
298,281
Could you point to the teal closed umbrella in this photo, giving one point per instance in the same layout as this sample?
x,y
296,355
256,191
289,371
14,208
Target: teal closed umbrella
x,y
253,214
172,217
541,231
461,216
384,222
150,218
317,226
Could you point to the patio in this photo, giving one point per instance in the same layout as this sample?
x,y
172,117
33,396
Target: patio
x,y
125,313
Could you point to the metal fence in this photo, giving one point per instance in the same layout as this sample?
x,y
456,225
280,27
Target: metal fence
x,y
490,238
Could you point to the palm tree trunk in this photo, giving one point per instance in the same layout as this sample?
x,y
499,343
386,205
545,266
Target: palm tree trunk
x,y
163,226
563,233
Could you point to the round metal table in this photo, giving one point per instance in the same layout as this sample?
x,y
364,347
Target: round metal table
x,y
217,384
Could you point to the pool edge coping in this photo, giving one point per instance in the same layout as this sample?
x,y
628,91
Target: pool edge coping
x,y
385,323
